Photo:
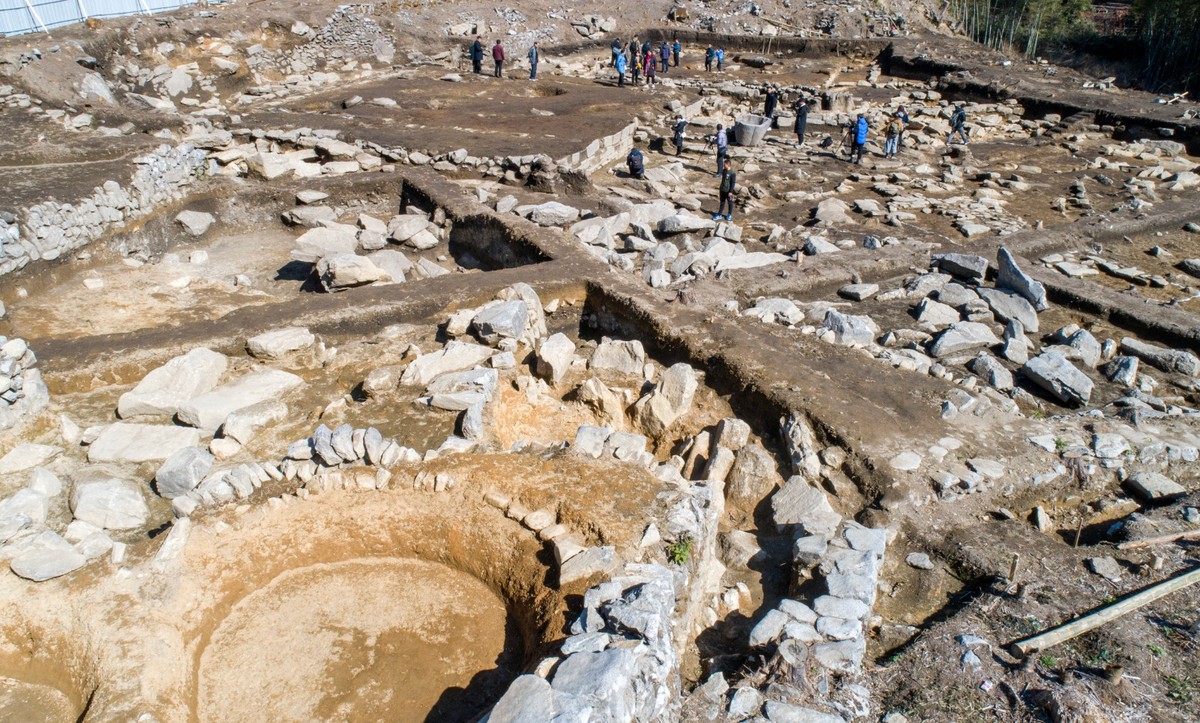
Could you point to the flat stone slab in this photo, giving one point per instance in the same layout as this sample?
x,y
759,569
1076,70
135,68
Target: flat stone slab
x,y
47,556
208,411
275,344
858,292
1154,487
137,443
27,456
456,356
1051,371
165,389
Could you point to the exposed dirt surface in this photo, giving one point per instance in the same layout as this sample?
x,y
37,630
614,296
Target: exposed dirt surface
x,y
400,640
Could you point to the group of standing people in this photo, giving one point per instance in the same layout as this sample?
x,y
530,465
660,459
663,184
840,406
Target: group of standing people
x,y
799,110
498,57
714,56
897,126
643,60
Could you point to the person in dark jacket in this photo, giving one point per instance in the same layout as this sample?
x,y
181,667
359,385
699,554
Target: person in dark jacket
x,y
902,114
636,164
664,54
800,108
498,57
676,49
534,57
721,143
958,121
771,103
646,47
677,139
477,55
635,65
726,191
616,50
709,54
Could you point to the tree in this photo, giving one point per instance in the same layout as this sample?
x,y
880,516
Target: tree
x,y
1169,33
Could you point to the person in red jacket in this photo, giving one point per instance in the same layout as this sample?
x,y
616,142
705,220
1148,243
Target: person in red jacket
x,y
498,56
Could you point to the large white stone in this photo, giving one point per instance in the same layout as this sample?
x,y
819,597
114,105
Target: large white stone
x,y
505,320
963,337
136,443
208,411
554,357
244,424
110,504
195,222
183,471
163,390
553,213
628,357
684,223
47,556
670,400
344,271
800,504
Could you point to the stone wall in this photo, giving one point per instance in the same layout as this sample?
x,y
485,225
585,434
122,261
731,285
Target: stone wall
x,y
23,394
601,151
621,661
50,229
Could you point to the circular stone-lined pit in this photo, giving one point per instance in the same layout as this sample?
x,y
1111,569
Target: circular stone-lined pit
x,y
365,639
34,703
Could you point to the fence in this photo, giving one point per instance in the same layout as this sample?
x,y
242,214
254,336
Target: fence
x,y
29,16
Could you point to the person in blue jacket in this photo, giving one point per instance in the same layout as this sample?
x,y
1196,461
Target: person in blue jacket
x,y
621,67
859,128
664,55
676,49
709,56
720,59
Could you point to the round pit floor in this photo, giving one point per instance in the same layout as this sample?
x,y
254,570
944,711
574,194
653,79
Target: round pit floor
x,y
391,639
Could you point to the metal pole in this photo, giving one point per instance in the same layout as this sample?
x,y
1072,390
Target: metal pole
x,y
36,18
83,13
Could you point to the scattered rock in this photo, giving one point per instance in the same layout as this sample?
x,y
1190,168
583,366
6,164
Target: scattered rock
x,y
110,504
1154,487
182,472
1051,371
1106,567
195,223
919,560
275,344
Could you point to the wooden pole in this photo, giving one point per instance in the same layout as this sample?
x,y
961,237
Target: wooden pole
x,y
1151,541
1079,626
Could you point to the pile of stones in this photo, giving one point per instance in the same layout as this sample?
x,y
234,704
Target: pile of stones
x,y
23,394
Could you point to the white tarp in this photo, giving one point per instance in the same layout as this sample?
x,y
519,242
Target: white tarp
x,y
28,16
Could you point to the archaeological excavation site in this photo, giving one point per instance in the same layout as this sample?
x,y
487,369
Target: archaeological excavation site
x,y
775,361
